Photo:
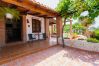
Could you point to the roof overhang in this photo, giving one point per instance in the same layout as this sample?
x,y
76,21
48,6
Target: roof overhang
x,y
52,21
30,7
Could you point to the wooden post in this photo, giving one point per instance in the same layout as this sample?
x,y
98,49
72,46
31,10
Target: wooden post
x,y
47,27
2,33
24,35
59,27
52,29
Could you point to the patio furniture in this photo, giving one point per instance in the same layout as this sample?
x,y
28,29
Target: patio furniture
x,y
31,37
44,36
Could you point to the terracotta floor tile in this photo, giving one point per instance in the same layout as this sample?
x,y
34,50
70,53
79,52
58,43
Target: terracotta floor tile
x,y
57,56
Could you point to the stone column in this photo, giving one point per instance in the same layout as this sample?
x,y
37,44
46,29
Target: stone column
x,y
24,34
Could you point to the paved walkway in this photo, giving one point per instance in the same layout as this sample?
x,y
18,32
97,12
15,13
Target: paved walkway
x,y
58,56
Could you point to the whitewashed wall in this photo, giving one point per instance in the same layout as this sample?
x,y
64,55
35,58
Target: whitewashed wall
x,y
29,29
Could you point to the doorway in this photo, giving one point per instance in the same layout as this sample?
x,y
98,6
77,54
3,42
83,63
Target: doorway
x,y
13,30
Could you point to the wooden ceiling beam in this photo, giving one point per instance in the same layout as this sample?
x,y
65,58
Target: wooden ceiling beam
x,y
25,4
42,15
36,13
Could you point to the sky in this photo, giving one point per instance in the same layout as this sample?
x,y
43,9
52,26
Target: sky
x,y
53,3
50,3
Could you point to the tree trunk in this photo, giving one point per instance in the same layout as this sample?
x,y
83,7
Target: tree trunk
x,y
87,32
70,27
63,32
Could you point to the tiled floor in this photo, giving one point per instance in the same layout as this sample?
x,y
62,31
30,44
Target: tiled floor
x,y
10,53
57,56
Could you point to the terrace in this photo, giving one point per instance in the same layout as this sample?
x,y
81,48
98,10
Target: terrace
x,y
17,48
53,56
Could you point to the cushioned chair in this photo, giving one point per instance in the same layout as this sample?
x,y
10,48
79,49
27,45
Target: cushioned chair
x,y
31,37
44,36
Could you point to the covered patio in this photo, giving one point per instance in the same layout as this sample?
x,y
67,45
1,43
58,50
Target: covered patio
x,y
35,20
44,50
29,11
13,52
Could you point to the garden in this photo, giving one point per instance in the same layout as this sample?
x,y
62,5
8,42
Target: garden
x,y
80,34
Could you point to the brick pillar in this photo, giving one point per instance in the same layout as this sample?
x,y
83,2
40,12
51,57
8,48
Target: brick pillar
x,y
47,27
58,28
24,34
2,32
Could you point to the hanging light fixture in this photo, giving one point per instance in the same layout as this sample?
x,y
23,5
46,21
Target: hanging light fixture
x,y
9,16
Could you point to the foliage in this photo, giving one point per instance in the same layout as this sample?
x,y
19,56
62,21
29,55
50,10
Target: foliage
x,y
66,10
94,40
93,8
73,8
80,6
63,8
86,21
67,28
4,10
77,28
74,35
96,34
69,8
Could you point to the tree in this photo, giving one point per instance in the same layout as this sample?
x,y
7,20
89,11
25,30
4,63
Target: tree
x,y
69,9
86,22
67,28
93,8
78,28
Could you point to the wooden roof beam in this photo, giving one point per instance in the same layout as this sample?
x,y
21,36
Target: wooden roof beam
x,y
42,15
28,6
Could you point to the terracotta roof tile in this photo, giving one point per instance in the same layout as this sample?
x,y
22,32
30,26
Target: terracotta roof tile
x,y
42,5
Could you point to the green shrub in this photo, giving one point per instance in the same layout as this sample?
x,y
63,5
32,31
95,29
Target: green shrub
x,y
96,33
94,40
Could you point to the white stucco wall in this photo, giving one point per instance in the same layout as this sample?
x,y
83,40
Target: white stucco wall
x,y
29,29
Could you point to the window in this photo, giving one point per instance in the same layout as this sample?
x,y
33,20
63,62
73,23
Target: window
x,y
36,25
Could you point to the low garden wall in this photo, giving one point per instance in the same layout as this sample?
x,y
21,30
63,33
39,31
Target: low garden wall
x,y
81,44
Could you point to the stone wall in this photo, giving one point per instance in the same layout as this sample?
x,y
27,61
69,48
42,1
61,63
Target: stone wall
x,y
81,44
